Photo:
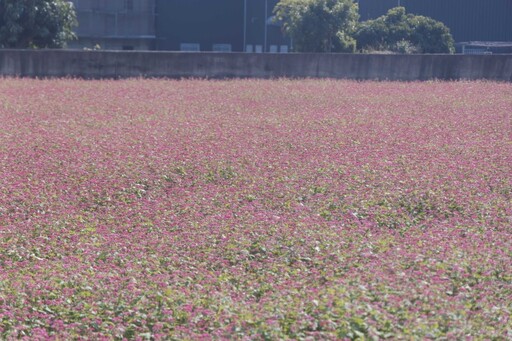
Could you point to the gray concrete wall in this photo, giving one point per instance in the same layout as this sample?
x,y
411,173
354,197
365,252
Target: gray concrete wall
x,y
121,64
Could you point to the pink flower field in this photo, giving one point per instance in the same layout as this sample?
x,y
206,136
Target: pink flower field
x,y
255,209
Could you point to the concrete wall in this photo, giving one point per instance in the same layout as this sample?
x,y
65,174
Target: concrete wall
x,y
121,64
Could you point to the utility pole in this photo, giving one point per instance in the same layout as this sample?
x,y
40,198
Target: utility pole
x,y
265,22
245,27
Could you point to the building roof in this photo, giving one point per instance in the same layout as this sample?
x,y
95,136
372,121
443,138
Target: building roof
x,y
487,43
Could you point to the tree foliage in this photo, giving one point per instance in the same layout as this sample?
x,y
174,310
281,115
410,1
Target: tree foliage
x,y
36,23
405,33
319,25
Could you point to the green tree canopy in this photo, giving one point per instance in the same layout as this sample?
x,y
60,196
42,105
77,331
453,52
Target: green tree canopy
x,y
319,25
400,32
36,23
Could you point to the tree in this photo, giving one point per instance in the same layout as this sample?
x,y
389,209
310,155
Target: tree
x,y
430,35
319,25
404,33
36,23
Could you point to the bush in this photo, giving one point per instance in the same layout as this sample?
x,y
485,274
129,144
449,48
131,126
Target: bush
x,y
319,25
404,33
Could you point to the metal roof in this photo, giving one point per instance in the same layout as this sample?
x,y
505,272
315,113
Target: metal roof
x,y
487,43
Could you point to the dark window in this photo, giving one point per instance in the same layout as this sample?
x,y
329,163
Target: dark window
x,y
128,48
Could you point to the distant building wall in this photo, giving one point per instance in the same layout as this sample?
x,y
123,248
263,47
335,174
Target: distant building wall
x,y
222,25
246,25
121,64
371,9
261,30
199,22
115,24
